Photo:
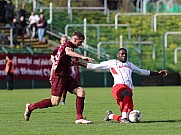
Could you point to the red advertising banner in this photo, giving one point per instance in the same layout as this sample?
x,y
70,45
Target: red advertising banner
x,y
31,67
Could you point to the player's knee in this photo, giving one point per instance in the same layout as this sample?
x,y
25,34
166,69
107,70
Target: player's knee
x,y
125,93
55,101
80,92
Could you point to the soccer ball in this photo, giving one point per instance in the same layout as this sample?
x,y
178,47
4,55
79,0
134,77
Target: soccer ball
x,y
135,116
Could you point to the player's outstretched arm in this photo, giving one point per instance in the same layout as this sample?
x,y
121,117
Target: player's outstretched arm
x,y
74,54
87,59
161,73
82,64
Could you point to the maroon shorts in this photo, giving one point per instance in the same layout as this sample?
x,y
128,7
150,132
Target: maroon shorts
x,y
63,83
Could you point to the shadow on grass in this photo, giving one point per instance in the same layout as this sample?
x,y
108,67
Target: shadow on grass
x,y
161,121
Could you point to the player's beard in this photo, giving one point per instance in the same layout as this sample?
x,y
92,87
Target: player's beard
x,y
123,59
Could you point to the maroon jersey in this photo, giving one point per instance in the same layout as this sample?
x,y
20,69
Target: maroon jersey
x,y
55,51
63,61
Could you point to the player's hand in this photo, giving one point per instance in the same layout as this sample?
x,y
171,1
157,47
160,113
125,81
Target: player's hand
x,y
163,72
50,80
87,59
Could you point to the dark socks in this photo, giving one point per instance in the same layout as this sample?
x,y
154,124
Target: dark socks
x,y
41,104
79,107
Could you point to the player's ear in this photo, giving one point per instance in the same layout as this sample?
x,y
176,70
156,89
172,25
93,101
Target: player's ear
x,y
117,55
73,39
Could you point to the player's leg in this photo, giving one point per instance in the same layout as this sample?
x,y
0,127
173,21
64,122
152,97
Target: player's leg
x,y
74,88
123,108
111,116
45,103
119,93
130,107
64,95
115,92
126,96
80,93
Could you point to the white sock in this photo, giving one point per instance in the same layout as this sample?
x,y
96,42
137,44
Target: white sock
x,y
111,116
124,115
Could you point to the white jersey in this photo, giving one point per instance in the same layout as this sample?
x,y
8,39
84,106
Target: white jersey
x,y
121,72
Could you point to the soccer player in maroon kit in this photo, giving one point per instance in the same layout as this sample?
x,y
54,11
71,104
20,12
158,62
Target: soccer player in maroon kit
x,y
63,80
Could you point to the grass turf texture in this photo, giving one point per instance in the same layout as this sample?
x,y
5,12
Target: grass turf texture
x,y
160,107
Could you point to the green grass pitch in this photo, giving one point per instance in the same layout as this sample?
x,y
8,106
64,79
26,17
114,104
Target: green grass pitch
x,y
160,108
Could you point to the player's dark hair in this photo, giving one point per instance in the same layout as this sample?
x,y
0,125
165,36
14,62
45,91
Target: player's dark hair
x,y
78,34
122,49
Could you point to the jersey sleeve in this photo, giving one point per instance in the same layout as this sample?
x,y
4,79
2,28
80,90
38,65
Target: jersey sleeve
x,y
69,45
55,51
102,65
139,71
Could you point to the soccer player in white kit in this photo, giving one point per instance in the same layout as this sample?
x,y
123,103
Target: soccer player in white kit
x,y
121,70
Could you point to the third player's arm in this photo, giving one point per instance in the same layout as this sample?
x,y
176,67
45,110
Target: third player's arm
x,y
83,64
147,72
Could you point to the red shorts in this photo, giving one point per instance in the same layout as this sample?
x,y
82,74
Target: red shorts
x,y
63,83
116,92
